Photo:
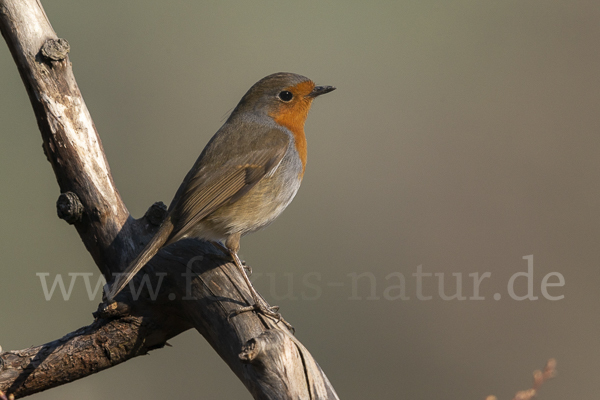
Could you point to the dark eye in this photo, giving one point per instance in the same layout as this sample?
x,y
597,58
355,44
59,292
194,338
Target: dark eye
x,y
286,96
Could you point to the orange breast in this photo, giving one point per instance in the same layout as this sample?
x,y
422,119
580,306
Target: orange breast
x,y
293,116
295,123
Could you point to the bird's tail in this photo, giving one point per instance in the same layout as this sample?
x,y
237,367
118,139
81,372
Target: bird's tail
x,y
157,241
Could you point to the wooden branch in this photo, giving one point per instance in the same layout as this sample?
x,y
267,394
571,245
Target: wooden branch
x,y
91,349
71,142
262,352
195,285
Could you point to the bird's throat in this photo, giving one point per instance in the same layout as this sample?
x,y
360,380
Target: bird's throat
x,y
294,119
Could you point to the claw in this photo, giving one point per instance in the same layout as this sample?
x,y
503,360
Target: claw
x,y
260,305
268,311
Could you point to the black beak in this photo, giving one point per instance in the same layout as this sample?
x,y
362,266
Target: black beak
x,y
319,90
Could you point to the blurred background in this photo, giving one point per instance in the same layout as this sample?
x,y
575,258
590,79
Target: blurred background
x,y
464,136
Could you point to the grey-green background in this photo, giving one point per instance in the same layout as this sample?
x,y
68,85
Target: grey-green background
x,y
463,136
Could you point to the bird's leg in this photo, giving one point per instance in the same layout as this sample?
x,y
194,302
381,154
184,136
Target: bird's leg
x,y
247,268
232,244
260,305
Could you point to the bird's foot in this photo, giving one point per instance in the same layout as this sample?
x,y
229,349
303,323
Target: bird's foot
x,y
266,310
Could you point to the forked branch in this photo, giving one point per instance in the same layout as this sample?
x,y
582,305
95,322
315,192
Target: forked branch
x,y
198,288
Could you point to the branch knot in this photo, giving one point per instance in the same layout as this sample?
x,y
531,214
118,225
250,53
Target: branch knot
x,y
156,213
264,346
69,207
55,50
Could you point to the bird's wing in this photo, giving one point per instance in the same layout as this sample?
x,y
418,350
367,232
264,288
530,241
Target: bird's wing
x,y
210,185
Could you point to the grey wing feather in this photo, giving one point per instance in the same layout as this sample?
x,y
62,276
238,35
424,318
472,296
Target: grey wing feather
x,y
207,189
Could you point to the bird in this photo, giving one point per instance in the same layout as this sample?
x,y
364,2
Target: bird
x,y
245,177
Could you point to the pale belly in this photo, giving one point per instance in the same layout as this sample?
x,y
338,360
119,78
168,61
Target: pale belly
x,y
255,210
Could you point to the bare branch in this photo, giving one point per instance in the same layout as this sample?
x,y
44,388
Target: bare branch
x,y
91,349
195,285
539,377
71,142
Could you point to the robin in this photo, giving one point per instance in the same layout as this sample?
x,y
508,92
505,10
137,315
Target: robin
x,y
245,177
